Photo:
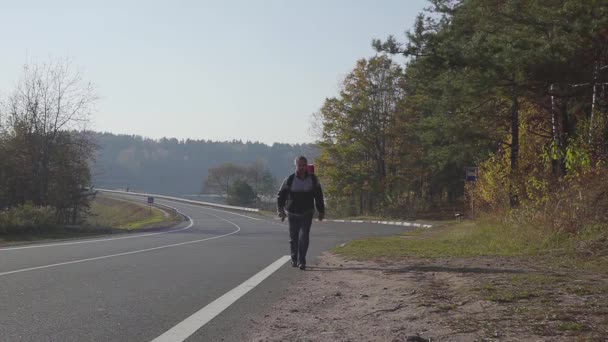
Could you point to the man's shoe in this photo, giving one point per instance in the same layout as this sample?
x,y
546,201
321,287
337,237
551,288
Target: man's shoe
x,y
302,266
294,264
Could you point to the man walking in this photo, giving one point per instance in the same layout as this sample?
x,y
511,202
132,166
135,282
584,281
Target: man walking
x,y
297,198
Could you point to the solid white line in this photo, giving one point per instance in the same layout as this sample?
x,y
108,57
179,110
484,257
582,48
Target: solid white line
x,y
101,240
127,253
190,325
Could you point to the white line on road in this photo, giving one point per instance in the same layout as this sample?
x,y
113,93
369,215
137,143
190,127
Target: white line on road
x,y
131,236
127,253
190,325
100,240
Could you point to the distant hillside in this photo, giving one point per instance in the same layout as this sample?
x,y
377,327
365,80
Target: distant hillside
x,y
173,167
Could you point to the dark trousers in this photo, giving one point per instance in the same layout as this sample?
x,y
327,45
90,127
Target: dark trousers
x,y
299,231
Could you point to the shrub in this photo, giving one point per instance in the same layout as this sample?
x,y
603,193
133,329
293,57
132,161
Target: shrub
x,y
26,217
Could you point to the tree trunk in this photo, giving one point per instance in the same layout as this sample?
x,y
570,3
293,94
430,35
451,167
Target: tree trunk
x,y
593,100
555,134
513,198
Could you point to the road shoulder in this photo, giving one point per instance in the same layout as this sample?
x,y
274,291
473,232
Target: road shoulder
x,y
449,299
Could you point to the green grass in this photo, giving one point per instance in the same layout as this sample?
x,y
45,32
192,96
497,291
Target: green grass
x,y
50,233
536,279
106,214
120,214
509,296
572,326
579,290
445,307
464,239
155,217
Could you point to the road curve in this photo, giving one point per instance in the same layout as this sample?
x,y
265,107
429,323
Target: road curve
x,y
139,287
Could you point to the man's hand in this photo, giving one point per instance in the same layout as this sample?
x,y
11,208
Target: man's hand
x,y
321,216
282,214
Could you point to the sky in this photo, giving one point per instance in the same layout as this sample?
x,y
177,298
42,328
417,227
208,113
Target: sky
x,y
251,70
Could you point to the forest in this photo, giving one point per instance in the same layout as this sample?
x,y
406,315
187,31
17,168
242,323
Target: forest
x,y
513,90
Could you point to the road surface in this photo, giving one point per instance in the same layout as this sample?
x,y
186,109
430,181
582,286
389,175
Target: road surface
x,y
197,281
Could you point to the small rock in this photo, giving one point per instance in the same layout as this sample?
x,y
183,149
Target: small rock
x,y
364,296
293,310
416,338
338,294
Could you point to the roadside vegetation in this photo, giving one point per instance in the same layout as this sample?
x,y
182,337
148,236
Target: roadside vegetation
x,y
512,91
45,150
587,249
120,214
497,280
106,215
46,154
250,185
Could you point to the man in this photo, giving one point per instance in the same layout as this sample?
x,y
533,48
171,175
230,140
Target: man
x,y
297,198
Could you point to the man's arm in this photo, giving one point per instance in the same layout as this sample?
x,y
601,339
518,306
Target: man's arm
x,y
282,199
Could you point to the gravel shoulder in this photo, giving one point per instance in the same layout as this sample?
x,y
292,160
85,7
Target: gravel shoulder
x,y
450,299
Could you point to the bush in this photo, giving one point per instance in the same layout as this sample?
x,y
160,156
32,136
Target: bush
x,y
241,193
26,217
567,205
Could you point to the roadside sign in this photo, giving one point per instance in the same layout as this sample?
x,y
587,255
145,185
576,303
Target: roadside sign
x,y
150,199
470,174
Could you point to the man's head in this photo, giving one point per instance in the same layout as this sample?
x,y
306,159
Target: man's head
x,y
301,165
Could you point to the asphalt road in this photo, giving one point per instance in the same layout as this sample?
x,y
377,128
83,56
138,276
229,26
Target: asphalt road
x,y
139,287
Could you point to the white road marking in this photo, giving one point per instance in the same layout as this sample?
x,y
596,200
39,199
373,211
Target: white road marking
x,y
190,325
128,253
100,240
132,236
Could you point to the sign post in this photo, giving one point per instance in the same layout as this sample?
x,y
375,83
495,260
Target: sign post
x,y
150,201
470,176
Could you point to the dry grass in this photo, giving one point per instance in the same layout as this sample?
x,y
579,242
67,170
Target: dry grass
x,y
116,213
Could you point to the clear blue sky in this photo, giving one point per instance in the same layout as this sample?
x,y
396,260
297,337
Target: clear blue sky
x,y
220,70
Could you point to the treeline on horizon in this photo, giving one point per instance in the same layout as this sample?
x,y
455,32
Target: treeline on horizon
x,y
514,88
181,167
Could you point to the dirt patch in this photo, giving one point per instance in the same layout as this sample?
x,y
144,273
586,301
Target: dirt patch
x,y
479,299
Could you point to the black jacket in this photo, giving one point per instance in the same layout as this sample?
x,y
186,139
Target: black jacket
x,y
300,196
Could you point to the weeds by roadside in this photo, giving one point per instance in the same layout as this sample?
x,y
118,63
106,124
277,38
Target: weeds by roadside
x,y
488,238
496,280
106,215
107,211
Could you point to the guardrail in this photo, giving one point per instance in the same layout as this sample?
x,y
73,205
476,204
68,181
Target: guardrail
x,y
177,199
